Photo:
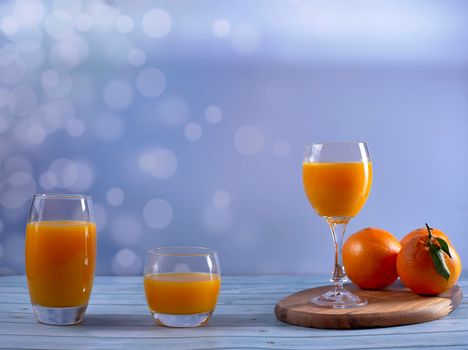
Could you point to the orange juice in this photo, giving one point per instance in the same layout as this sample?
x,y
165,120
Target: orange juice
x,y
182,293
337,189
60,260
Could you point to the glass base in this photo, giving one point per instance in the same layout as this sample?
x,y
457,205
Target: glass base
x,y
341,300
182,321
59,316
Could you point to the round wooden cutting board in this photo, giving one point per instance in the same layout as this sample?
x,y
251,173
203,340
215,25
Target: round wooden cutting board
x,y
392,306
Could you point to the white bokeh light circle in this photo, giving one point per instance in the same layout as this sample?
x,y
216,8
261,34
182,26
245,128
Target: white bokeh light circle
x,y
151,82
9,25
221,28
100,214
221,199
109,127
118,94
281,149
68,54
28,12
27,39
124,24
49,78
173,111
83,22
213,114
216,219
49,118
126,230
16,163
193,131
126,262
158,213
19,188
248,140
161,163
64,55
19,179
12,67
65,108
75,127
85,177
245,39
66,172
156,23
59,25
136,57
71,6
48,180
56,84
115,196
35,133
22,101
182,267
104,15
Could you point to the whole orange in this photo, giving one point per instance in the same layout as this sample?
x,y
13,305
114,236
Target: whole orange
x,y
369,258
416,267
423,232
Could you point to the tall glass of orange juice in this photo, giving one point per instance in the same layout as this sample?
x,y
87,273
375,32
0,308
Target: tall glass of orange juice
x,y
60,254
182,285
337,179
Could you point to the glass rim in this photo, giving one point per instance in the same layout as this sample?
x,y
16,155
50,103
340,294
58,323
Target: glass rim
x,y
61,196
311,144
185,251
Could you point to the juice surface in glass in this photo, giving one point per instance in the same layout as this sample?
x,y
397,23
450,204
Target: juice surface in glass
x,y
337,189
60,261
182,293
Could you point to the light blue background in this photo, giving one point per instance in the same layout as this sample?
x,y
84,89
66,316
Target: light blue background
x,y
213,156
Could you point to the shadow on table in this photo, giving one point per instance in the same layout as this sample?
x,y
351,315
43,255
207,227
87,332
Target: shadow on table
x,y
243,320
146,320
118,320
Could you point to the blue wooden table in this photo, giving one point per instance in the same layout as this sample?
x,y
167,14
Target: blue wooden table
x,y
118,318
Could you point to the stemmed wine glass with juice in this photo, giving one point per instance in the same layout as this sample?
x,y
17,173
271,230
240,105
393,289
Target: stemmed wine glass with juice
x,y
337,179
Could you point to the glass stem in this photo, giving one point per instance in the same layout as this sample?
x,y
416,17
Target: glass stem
x,y
338,228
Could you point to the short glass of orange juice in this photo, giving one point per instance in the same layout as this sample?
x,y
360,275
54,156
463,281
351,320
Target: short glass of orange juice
x,y
60,253
182,285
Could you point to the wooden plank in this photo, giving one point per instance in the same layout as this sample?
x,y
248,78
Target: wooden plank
x,y
455,339
118,326
142,309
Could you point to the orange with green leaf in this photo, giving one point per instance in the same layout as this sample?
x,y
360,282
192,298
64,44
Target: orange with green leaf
x,y
422,231
428,264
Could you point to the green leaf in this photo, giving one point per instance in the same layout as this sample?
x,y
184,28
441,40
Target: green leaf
x,y
444,246
429,231
438,260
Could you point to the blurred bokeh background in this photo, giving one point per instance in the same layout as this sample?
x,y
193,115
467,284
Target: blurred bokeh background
x,y
186,121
